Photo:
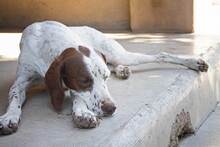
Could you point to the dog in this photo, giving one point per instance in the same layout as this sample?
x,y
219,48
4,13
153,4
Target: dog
x,y
76,60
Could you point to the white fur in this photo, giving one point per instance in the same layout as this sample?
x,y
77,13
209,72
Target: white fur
x,y
42,42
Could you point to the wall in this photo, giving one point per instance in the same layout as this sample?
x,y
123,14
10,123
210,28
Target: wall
x,y
138,15
161,15
112,14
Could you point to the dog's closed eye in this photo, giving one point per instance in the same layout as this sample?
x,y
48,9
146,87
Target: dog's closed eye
x,y
86,80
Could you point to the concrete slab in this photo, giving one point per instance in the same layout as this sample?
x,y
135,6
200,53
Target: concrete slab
x,y
148,102
207,135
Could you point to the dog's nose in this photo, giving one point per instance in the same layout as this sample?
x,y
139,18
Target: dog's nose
x,y
108,107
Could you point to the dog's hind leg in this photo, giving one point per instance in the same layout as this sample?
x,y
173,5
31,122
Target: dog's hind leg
x,y
125,58
9,121
116,55
192,62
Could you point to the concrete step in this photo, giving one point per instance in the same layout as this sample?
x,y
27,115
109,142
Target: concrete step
x,y
156,105
208,134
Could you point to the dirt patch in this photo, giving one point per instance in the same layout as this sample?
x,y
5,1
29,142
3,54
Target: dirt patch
x,y
180,128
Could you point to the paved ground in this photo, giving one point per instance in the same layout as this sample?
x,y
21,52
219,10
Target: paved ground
x,y
41,126
207,135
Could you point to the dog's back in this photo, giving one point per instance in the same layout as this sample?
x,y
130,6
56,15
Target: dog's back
x,y
42,42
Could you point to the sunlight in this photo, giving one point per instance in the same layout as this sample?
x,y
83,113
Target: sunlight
x,y
133,35
9,45
186,40
139,40
154,76
206,16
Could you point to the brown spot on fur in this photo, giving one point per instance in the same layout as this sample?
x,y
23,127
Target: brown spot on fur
x,y
70,68
84,50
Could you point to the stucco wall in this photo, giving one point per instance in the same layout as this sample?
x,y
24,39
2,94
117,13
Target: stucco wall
x,y
137,15
111,14
161,15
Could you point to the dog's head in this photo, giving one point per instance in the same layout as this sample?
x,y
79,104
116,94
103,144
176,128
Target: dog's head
x,y
84,73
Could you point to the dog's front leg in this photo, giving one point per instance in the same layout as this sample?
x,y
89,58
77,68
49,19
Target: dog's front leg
x,y
9,121
82,116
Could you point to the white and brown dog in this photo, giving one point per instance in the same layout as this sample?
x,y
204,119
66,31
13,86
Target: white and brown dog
x,y
77,59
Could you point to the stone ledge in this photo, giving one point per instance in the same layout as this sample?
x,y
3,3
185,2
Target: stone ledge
x,y
148,102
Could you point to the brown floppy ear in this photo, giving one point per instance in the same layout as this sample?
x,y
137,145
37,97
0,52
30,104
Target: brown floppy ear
x,y
84,50
54,84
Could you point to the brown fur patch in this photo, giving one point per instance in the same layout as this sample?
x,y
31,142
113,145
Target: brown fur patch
x,y
84,50
70,68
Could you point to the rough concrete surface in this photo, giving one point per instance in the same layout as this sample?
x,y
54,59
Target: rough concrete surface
x,y
207,135
148,102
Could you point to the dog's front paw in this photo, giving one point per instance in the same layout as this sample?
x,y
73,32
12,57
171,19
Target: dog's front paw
x,y
8,124
122,72
86,120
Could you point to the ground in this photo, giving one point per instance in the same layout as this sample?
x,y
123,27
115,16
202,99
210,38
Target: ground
x,y
137,98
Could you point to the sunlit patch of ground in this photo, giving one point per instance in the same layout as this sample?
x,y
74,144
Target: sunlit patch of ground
x,y
9,46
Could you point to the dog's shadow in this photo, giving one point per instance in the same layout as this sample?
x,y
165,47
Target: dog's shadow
x,y
37,95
